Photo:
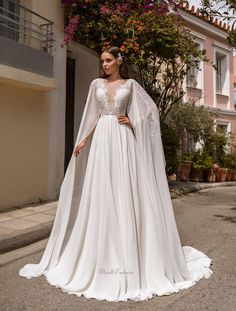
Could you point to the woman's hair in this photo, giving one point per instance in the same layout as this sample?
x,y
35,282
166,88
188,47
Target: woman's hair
x,y
123,68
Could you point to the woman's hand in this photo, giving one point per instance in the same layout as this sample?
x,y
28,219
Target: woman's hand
x,y
79,147
125,120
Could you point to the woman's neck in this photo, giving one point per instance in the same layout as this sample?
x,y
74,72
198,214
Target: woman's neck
x,y
114,77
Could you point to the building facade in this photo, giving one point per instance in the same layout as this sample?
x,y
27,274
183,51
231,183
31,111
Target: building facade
x,y
39,80
213,84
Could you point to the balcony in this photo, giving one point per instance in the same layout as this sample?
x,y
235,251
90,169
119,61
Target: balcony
x,y
26,39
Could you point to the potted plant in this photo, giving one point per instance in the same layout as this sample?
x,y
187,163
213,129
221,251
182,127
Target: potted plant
x,y
220,173
202,165
234,175
208,172
228,161
184,168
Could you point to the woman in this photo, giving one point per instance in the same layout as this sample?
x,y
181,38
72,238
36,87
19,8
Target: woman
x,y
114,236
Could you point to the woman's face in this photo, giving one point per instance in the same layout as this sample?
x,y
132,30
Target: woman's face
x,y
109,63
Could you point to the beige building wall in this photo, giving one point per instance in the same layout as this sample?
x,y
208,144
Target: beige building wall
x,y
24,146
32,124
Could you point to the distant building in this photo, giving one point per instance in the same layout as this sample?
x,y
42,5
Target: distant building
x,y
234,82
210,87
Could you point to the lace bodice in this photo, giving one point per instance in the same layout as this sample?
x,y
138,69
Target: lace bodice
x,y
113,100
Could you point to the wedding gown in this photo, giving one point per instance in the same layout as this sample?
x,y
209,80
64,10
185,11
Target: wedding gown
x,y
114,236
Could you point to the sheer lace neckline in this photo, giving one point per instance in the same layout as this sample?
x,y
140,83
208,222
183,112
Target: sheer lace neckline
x,y
110,98
116,87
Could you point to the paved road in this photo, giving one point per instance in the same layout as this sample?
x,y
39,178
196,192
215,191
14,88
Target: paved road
x,y
206,221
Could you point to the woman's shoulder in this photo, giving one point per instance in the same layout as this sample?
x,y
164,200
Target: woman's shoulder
x,y
94,83
95,80
133,81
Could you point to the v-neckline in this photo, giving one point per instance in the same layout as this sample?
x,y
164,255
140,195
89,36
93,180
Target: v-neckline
x,y
105,90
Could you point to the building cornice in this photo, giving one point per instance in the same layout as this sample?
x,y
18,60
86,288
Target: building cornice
x,y
222,46
25,79
198,35
221,111
196,21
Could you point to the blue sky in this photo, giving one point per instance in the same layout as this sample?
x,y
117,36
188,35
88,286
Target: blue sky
x,y
195,2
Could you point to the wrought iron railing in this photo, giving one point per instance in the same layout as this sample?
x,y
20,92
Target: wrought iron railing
x,y
21,24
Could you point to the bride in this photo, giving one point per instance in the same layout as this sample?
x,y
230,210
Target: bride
x,y
114,235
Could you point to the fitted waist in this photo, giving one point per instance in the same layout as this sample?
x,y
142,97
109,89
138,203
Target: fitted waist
x,y
114,116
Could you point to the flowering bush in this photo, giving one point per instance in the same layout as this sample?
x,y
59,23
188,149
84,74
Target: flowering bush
x,y
103,23
70,29
151,35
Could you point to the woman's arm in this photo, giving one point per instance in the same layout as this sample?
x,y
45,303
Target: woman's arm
x,y
89,119
125,120
80,146
83,143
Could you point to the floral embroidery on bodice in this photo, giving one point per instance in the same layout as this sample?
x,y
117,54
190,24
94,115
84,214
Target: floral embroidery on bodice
x,y
113,100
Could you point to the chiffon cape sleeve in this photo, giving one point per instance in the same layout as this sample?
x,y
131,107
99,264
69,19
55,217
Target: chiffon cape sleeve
x,y
70,192
144,117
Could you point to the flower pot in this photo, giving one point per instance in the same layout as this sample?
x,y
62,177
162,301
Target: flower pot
x,y
209,175
183,170
229,175
234,175
196,174
217,174
221,174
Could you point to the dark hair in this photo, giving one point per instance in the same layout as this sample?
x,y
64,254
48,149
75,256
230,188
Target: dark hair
x,y
123,68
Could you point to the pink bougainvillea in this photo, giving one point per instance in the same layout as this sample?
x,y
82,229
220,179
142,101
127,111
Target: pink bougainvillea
x,y
97,23
105,10
70,29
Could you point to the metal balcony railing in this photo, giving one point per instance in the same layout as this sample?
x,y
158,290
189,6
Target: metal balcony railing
x,y
21,24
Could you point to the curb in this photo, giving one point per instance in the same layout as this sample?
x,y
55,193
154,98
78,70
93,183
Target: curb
x,y
25,237
177,190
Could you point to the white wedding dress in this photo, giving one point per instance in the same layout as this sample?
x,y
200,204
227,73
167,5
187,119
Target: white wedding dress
x,y
114,236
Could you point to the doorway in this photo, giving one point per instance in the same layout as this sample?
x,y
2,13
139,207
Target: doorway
x,y
70,107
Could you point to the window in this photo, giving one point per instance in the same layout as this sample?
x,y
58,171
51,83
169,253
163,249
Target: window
x,y
221,74
191,78
223,127
190,143
9,19
194,77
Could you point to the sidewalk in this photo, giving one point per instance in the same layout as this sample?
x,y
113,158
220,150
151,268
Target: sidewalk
x,y
179,188
26,225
